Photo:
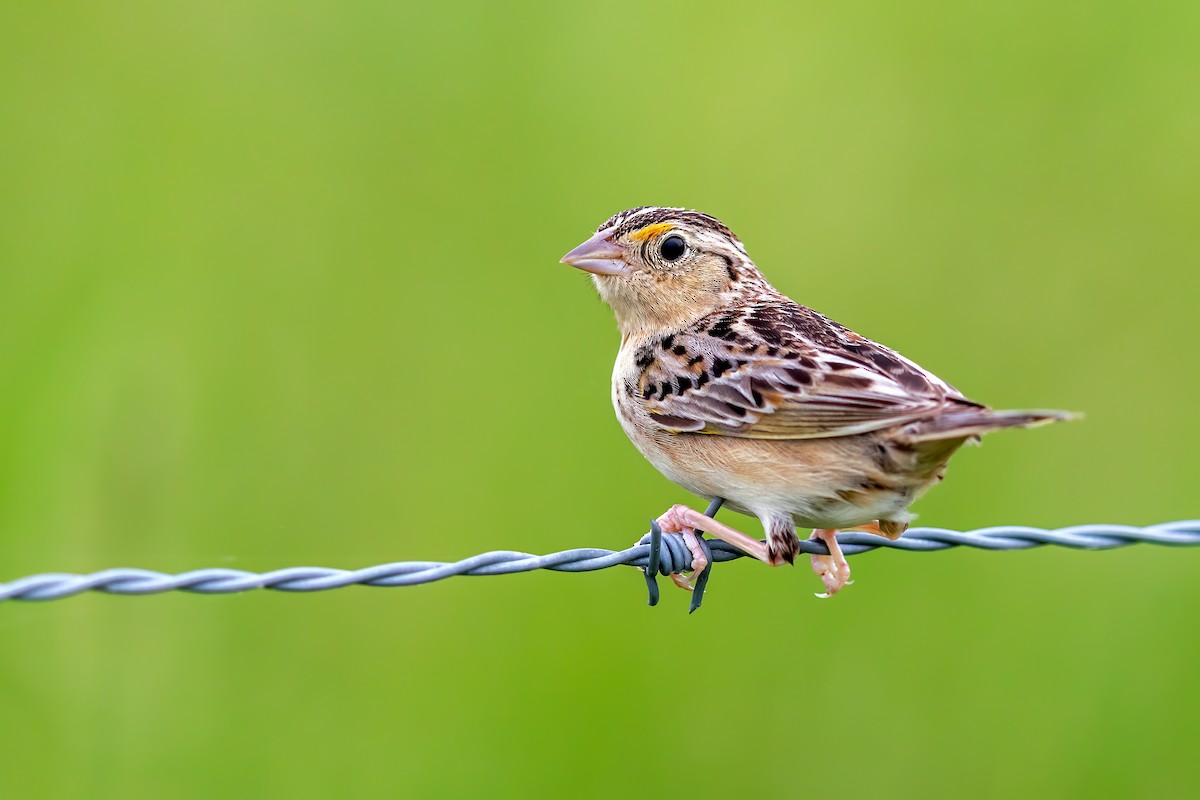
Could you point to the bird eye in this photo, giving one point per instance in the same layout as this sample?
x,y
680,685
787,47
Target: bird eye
x,y
672,248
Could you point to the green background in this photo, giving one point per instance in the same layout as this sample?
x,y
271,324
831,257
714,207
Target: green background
x,y
279,285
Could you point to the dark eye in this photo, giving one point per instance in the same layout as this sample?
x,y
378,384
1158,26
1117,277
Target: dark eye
x,y
672,248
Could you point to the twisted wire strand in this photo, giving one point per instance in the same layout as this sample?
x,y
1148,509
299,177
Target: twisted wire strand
x,y
673,557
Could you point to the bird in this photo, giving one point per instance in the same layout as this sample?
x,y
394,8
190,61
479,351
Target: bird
x,y
733,390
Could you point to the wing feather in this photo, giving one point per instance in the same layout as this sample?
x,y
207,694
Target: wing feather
x,y
782,371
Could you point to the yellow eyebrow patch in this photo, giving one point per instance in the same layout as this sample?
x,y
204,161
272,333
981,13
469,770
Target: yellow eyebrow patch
x,y
650,230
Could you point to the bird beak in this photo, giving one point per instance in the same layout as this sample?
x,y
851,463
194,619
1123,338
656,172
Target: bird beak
x,y
599,256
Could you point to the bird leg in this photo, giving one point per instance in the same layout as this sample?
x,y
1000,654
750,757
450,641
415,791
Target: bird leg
x,y
869,527
832,569
671,522
681,519
686,517
890,530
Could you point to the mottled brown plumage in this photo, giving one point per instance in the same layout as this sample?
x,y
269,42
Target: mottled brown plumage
x,y
733,390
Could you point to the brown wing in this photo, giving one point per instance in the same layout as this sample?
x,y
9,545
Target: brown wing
x,y
781,371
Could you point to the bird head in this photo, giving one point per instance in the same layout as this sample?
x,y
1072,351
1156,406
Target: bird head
x,y
664,267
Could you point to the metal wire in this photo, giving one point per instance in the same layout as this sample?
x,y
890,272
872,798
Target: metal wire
x,y
673,557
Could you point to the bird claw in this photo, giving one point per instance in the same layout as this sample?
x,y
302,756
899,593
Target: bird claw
x,y
679,519
675,521
683,582
699,563
834,574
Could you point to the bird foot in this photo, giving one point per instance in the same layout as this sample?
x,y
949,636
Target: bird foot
x,y
680,518
675,521
833,570
685,582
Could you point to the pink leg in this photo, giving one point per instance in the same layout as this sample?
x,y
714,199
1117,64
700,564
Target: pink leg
x,y
891,530
832,569
681,517
869,527
672,524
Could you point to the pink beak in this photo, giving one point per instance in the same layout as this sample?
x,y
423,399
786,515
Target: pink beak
x,y
598,256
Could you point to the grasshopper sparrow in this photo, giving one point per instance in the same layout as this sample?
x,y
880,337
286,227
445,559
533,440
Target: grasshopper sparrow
x,y
732,390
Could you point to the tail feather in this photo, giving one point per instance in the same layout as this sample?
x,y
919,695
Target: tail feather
x,y
966,423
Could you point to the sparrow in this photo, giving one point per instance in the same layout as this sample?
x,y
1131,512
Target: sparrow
x,y
732,390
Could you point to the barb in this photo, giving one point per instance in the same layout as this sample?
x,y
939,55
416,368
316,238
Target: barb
x,y
673,556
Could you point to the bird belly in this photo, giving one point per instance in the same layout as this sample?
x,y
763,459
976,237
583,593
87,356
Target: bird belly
x,y
835,482
819,483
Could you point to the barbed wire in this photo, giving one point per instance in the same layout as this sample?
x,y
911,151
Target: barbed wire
x,y
671,555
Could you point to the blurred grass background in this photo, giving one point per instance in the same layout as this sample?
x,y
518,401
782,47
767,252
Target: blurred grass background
x,y
279,285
